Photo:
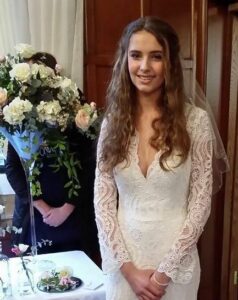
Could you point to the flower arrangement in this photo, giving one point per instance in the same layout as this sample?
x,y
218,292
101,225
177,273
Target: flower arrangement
x,y
58,281
7,229
35,98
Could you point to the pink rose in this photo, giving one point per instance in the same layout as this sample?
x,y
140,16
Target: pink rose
x,y
82,120
3,97
93,106
58,68
2,58
16,251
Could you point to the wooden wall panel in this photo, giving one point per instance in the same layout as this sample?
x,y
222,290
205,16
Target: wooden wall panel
x,y
178,14
214,60
232,182
104,73
105,21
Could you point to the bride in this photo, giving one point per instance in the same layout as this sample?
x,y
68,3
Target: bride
x,y
154,171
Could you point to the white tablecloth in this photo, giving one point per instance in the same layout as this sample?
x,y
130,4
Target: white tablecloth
x,y
83,268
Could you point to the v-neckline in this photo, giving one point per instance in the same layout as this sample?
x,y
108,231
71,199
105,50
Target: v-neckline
x,y
137,160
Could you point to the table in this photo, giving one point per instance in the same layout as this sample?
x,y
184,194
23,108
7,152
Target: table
x,y
83,268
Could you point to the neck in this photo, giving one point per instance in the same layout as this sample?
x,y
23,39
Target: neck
x,y
147,104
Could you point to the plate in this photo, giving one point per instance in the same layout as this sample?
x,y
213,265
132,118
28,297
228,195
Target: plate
x,y
54,289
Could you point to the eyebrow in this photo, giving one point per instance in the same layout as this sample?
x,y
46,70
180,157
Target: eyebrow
x,y
152,52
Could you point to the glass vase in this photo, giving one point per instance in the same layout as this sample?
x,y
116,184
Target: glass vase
x,y
26,143
5,281
25,278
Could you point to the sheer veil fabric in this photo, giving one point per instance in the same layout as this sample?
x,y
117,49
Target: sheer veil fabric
x,y
220,163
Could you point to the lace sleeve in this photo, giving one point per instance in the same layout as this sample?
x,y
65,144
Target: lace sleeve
x,y
112,246
179,262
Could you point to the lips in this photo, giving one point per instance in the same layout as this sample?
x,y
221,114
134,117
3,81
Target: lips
x,y
145,78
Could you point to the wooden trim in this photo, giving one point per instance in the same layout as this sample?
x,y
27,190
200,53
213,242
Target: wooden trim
x,y
231,110
146,7
233,7
201,66
142,8
89,27
193,43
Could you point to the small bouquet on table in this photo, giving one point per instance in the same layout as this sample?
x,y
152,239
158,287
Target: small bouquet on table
x,y
37,105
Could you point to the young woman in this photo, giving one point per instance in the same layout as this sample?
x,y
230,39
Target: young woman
x,y
154,172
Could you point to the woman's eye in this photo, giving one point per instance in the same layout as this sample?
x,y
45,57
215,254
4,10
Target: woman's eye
x,y
157,56
135,55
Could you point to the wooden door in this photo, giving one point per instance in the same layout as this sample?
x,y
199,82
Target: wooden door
x,y
230,244
105,21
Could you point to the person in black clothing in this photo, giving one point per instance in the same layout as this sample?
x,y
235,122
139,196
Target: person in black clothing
x,y
71,225
68,223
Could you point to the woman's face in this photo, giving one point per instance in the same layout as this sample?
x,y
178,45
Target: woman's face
x,y
145,63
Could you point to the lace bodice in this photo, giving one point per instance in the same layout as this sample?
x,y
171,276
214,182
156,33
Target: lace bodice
x,y
156,221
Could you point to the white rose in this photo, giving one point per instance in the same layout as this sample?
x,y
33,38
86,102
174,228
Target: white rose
x,y
3,96
2,209
45,71
25,50
66,83
23,247
48,111
21,72
94,117
14,113
82,120
34,69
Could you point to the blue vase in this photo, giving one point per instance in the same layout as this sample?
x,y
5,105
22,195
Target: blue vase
x,y
24,142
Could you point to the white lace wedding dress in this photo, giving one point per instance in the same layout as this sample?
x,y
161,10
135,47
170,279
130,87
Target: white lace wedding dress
x,y
155,221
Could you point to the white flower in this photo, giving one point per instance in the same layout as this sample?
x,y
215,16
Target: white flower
x,y
20,72
25,50
94,117
23,247
68,84
3,96
34,69
48,111
14,113
2,209
82,120
45,71
65,83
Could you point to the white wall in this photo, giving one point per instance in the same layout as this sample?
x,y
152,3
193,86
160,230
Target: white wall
x,y
5,188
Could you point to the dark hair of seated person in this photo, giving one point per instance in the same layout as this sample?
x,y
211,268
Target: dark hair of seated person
x,y
44,58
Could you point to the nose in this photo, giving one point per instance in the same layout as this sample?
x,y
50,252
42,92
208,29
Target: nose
x,y
144,64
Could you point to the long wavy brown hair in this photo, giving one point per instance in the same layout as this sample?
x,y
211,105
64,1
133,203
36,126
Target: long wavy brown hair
x,y
170,131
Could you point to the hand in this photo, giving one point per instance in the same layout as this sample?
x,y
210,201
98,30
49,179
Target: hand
x,y
57,215
141,283
161,280
42,206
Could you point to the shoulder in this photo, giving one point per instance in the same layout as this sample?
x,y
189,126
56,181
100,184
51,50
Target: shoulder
x,y
196,116
198,120
194,113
